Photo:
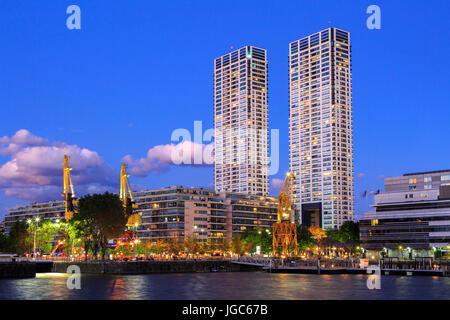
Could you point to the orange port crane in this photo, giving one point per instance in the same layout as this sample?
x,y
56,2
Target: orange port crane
x,y
284,230
59,246
135,220
69,196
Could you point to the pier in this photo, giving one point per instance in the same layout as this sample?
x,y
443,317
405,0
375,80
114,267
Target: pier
x,y
390,266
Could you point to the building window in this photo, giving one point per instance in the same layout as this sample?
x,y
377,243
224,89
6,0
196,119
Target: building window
x,y
427,179
412,180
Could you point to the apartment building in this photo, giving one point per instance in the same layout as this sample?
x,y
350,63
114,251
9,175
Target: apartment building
x,y
51,210
320,128
241,121
178,212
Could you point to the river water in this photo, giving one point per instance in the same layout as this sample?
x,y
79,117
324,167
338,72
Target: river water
x,y
226,285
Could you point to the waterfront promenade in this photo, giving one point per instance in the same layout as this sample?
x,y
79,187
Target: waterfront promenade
x,y
28,268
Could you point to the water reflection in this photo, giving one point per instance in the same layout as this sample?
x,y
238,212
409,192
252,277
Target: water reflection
x,y
243,285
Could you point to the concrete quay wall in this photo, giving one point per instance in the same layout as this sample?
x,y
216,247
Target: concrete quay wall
x,y
147,267
17,270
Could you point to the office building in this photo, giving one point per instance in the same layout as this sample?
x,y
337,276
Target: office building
x,y
411,218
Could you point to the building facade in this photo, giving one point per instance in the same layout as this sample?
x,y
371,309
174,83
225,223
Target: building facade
x,y
51,210
179,213
241,121
320,128
411,218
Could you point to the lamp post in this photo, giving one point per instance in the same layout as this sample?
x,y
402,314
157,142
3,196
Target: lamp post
x,y
30,222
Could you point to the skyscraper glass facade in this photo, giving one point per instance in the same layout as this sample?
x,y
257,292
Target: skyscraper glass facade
x,y
320,127
241,121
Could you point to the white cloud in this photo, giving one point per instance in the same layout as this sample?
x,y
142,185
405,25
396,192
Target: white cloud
x,y
161,157
276,183
34,170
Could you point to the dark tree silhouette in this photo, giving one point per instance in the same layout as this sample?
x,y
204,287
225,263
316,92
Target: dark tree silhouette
x,y
100,218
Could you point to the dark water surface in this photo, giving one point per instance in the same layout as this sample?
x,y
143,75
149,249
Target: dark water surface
x,y
233,285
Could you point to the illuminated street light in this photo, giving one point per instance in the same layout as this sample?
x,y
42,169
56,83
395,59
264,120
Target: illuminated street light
x,y
30,222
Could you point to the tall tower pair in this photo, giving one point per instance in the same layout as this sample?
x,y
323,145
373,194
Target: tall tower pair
x,y
320,125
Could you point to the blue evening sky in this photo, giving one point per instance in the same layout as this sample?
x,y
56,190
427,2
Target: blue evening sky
x,y
137,70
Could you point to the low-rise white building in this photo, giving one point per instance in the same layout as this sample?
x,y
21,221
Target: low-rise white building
x,y
411,218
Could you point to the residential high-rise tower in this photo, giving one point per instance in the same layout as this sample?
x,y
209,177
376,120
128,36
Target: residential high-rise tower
x,y
320,128
241,121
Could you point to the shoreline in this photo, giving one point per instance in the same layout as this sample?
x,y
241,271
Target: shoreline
x,y
29,269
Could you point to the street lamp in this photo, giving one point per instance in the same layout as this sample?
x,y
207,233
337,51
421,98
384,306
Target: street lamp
x,y
30,222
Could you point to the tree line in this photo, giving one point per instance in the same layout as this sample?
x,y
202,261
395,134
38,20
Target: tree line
x,y
101,217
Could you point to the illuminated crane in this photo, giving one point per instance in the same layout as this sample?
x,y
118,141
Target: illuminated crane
x,y
59,245
135,220
285,231
69,194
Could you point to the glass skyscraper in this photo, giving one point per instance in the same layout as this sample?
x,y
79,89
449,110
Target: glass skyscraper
x,y
241,121
320,128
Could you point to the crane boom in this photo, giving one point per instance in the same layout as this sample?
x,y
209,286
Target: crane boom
x,y
134,220
285,198
69,194
125,190
284,230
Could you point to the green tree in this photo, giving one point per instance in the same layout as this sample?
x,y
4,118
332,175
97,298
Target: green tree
x,y
100,218
257,237
174,246
66,231
237,246
334,234
20,239
4,242
223,245
305,238
349,230
192,246
45,234
140,249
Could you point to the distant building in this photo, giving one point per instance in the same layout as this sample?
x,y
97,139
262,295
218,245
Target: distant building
x,y
411,218
47,210
178,212
321,128
241,121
